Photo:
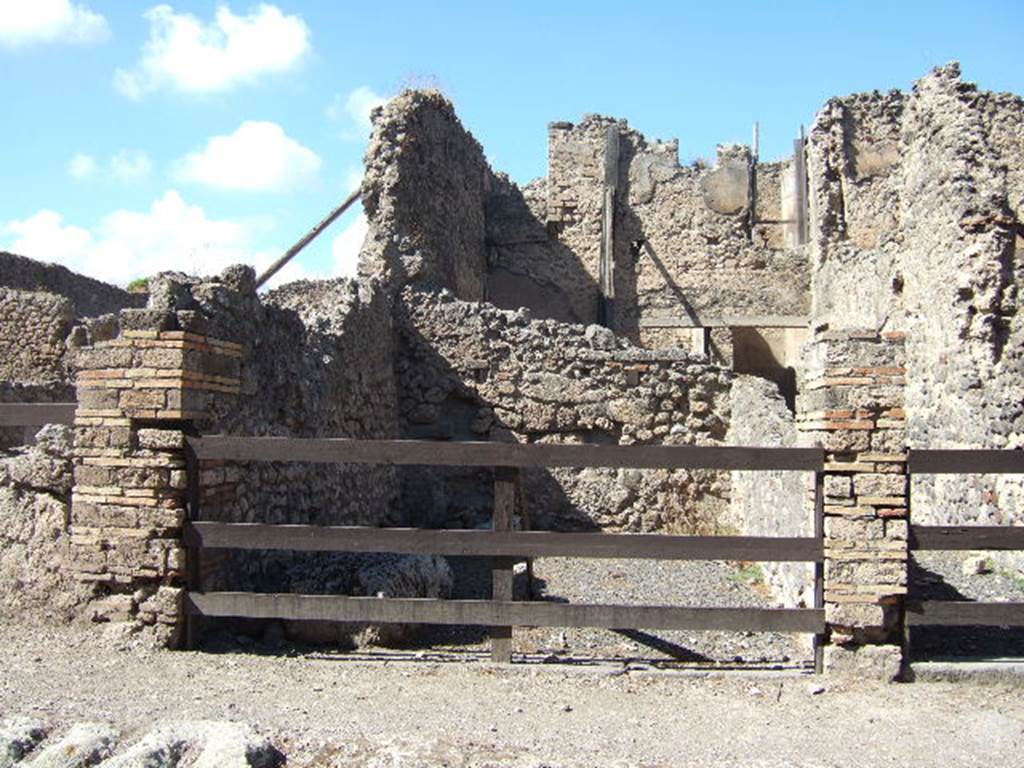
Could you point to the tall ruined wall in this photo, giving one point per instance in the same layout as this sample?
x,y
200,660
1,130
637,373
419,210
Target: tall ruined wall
x,y
854,155
424,193
472,371
915,211
686,244
962,209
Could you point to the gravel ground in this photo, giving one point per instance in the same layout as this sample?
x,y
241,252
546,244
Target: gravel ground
x,y
630,582
402,710
942,576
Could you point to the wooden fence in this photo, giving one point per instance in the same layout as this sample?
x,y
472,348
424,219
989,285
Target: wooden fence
x,y
502,544
964,537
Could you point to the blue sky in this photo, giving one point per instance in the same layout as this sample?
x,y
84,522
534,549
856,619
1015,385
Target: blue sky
x,y
139,137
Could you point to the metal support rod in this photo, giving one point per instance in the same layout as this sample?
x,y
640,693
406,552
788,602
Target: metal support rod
x,y
310,236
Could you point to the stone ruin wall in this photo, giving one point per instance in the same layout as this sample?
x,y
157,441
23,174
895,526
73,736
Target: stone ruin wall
x,y
465,369
916,202
39,305
913,197
473,372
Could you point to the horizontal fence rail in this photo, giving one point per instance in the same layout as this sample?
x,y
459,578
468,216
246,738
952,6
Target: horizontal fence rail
x,y
488,454
953,613
501,544
965,537
36,414
966,461
501,613
312,538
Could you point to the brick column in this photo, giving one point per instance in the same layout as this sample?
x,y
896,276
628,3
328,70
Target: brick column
x,y
851,403
137,395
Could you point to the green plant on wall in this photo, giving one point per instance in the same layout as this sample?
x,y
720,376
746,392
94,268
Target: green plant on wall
x,y
139,285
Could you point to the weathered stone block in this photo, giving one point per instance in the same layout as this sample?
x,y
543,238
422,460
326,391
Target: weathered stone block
x,y
161,439
877,484
142,399
877,662
838,487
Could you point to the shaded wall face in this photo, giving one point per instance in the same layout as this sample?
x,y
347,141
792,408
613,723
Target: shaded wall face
x,y
317,363
472,371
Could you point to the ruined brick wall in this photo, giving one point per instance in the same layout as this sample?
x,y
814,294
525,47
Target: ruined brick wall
x,y
852,404
39,306
854,155
916,203
424,193
962,218
685,242
472,371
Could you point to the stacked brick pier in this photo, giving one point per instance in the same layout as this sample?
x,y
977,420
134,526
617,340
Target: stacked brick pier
x,y
852,405
138,395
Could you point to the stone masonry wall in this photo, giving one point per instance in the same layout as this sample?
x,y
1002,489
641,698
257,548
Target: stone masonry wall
x,y
39,306
472,371
318,363
424,193
686,243
962,213
771,503
35,488
852,404
137,394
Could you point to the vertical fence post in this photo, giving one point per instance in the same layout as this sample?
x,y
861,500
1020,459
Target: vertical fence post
x,y
193,550
504,507
819,567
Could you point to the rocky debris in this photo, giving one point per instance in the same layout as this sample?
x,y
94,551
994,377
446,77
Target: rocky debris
x,y
370,575
18,737
200,744
85,744
35,482
205,744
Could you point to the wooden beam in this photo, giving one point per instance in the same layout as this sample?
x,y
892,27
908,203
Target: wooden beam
x,y
964,614
495,613
966,537
725,321
501,574
36,414
486,454
312,538
307,238
965,461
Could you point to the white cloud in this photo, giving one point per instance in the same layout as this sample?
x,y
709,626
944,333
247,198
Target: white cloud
x,y
189,55
346,246
353,179
171,235
82,166
355,109
130,165
49,21
258,156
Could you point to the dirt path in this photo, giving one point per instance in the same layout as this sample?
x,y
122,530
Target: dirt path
x,y
406,710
